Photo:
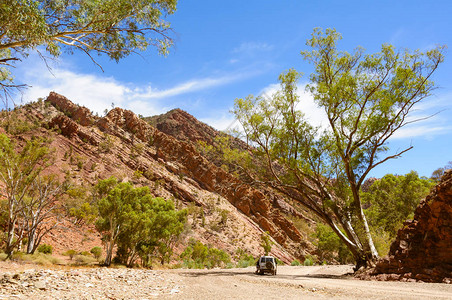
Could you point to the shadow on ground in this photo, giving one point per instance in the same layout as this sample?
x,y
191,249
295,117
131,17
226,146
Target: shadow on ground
x,y
203,273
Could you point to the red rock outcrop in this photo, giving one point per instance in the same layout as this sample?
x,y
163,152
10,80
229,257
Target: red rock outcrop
x,y
81,114
422,250
250,201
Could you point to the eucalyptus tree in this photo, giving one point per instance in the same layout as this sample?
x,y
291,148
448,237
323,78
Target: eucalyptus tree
x,y
19,172
367,98
136,223
115,28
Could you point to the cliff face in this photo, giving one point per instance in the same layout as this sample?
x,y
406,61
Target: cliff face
x,y
422,250
88,148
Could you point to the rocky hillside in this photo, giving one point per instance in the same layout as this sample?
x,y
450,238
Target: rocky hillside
x,y
422,250
164,157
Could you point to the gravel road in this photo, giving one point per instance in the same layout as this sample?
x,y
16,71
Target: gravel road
x,y
315,282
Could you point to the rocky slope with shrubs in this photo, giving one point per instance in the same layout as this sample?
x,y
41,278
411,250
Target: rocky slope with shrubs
x,y
224,211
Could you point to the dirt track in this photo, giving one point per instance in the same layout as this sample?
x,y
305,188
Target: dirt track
x,y
27,281
316,282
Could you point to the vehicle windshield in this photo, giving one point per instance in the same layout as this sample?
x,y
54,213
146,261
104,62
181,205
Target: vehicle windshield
x,y
265,259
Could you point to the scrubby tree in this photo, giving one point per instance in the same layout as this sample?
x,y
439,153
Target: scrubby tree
x,y
167,227
136,222
266,243
393,199
96,251
40,210
112,27
114,210
366,98
19,171
438,173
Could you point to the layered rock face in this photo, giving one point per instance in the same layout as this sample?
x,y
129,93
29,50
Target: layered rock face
x,y
422,250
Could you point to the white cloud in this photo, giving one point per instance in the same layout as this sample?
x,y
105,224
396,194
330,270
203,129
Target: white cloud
x,y
191,86
221,121
252,47
426,131
99,92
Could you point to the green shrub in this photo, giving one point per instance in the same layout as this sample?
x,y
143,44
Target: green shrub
x,y
96,251
45,248
308,261
85,253
71,253
84,260
244,259
199,256
295,263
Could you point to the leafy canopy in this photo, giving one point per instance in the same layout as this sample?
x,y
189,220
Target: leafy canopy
x,y
393,199
136,222
116,28
366,99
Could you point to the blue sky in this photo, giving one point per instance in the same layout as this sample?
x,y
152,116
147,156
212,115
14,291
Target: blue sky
x,y
229,49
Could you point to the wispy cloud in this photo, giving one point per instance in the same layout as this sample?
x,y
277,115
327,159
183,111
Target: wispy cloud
x,y
192,86
252,47
99,92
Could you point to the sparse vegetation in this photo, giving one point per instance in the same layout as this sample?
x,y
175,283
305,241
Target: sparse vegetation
x,y
199,256
295,262
71,253
84,260
96,251
266,243
45,248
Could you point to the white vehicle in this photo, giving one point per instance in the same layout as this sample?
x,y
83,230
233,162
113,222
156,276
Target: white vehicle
x,y
266,264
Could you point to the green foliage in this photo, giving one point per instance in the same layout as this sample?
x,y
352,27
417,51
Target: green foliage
x,y
81,205
366,99
137,223
244,259
16,125
36,258
266,243
19,175
71,253
137,149
330,246
438,173
224,213
96,251
197,255
45,248
393,199
295,263
114,28
226,156
84,259
106,144
309,260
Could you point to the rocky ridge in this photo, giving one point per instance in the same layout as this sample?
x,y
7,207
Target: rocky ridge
x,y
89,148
